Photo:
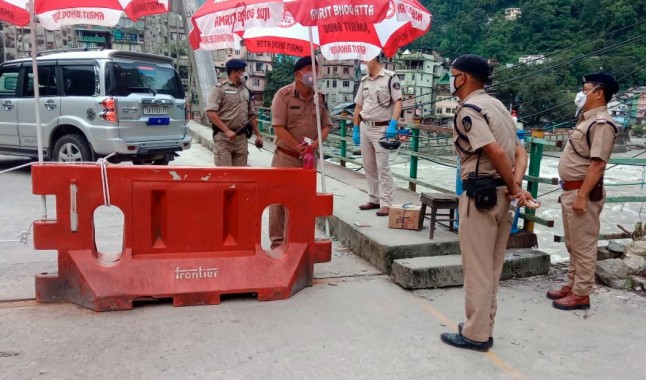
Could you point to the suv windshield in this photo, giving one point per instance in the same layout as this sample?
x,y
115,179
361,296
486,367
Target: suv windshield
x,y
130,77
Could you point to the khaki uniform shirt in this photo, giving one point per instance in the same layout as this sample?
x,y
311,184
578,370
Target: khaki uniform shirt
x,y
375,98
232,104
573,167
296,114
500,129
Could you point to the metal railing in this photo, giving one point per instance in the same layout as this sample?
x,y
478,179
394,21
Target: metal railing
x,y
536,143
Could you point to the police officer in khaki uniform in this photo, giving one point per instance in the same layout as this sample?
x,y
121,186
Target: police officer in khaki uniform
x,y
293,117
230,110
581,171
378,106
493,163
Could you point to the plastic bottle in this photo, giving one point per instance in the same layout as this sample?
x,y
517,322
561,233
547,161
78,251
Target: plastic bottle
x,y
308,157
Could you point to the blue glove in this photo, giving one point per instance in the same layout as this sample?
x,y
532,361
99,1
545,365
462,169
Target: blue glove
x,y
392,129
355,135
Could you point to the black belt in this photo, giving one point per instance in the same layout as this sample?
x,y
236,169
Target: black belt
x,y
378,123
499,182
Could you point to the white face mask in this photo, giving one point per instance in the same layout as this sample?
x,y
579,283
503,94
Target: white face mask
x,y
364,69
452,88
580,100
243,78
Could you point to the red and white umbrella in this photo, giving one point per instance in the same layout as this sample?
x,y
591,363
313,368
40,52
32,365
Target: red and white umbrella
x,y
361,29
289,38
136,9
54,15
217,24
14,12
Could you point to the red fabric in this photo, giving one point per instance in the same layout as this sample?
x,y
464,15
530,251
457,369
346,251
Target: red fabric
x,y
14,14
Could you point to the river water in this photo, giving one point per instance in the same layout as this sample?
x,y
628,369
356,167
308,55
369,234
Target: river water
x,y
624,214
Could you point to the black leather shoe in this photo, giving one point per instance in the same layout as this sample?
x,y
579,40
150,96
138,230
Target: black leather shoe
x,y
461,325
459,341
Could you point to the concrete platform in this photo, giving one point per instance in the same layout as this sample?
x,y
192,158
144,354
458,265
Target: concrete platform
x,y
446,271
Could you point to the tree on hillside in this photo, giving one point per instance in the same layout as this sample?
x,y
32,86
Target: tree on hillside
x,y
281,74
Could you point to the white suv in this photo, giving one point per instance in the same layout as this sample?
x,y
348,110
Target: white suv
x,y
92,104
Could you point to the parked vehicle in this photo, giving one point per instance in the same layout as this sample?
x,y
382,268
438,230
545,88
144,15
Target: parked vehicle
x,y
92,104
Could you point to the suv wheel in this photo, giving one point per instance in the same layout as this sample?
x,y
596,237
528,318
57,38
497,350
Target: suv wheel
x,y
72,148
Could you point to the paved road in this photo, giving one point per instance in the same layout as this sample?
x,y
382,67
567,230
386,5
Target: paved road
x,y
354,323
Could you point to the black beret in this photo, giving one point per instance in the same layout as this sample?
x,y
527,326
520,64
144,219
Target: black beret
x,y
302,62
474,65
608,81
235,64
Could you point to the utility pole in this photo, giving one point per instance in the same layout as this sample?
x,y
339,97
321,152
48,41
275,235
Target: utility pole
x,y
200,61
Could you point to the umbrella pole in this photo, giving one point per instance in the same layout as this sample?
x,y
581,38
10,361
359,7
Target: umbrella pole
x,y
318,124
34,66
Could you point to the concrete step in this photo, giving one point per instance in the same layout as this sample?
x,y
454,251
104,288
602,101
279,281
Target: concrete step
x,y
444,271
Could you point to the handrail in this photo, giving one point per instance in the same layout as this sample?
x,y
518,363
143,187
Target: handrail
x,y
536,142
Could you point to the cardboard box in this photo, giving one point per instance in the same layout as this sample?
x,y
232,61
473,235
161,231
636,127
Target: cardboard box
x,y
404,216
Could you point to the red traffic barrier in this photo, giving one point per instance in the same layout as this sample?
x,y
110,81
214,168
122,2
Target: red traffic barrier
x,y
190,234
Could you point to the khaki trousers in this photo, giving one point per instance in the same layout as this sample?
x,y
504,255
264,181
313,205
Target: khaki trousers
x,y
230,152
376,165
581,241
483,240
278,214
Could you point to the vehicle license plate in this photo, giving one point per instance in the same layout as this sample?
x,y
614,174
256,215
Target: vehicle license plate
x,y
155,111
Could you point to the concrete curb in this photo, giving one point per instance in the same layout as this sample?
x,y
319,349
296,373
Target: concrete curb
x,y
381,255
201,134
445,271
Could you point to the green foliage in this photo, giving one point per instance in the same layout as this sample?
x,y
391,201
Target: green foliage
x,y
637,130
281,74
577,37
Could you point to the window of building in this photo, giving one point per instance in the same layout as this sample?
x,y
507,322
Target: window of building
x,y
258,66
439,111
346,83
448,110
328,69
327,84
333,98
333,84
334,70
256,82
346,70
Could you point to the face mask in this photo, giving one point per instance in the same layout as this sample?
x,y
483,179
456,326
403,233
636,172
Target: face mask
x,y
580,100
364,69
452,84
243,78
307,79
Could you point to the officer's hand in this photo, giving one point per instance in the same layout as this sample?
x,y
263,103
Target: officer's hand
x,y
355,135
392,129
580,205
259,142
230,134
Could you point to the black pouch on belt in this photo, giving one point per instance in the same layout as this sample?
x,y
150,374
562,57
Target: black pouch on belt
x,y
596,194
482,189
484,193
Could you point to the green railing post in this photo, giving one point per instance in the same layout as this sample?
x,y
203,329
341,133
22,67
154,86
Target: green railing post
x,y
344,133
414,146
535,156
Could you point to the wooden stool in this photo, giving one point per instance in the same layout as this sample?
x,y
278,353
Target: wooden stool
x,y
438,201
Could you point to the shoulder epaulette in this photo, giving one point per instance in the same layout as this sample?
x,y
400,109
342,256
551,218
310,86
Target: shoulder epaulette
x,y
389,72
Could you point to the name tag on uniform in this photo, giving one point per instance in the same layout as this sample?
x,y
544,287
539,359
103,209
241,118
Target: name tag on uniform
x,y
230,91
295,107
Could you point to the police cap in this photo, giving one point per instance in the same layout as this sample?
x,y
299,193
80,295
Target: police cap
x,y
235,64
303,62
474,65
608,81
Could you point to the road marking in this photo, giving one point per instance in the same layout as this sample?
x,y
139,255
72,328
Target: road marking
x,y
495,359
11,304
